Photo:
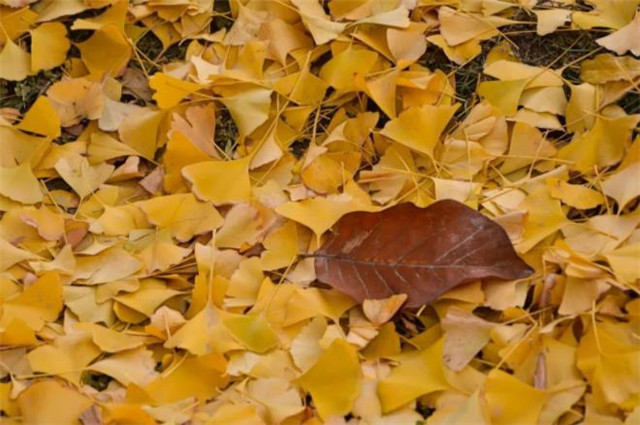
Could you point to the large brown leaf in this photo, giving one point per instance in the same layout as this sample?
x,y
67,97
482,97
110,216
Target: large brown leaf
x,y
422,252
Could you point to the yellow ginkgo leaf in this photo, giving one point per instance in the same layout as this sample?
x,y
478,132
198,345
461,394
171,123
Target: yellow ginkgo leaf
x,y
340,70
574,195
15,63
162,254
420,128
624,185
610,363
41,118
46,402
107,51
623,262
406,46
49,46
200,377
76,99
16,333
203,334
50,224
510,70
465,335
103,147
511,401
220,182
602,145
55,9
10,255
604,15
303,87
281,247
16,22
169,91
382,90
151,295
415,376
319,24
277,394
249,108
40,302
305,347
504,95
458,26
251,331
65,357
182,214
460,54
334,380
550,20
128,367
115,14
545,217
320,213
132,414
284,38
527,144
625,39
242,228
236,414
110,340
19,183
83,177
179,153
141,131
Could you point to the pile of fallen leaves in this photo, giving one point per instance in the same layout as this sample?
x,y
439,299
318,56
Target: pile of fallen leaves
x,y
159,218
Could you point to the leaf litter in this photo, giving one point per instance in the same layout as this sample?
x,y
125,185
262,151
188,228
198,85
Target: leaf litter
x,y
162,209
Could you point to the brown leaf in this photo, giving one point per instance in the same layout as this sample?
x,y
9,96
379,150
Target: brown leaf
x,y
420,252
